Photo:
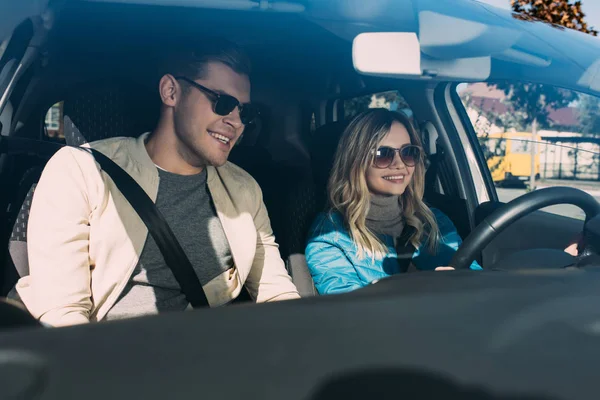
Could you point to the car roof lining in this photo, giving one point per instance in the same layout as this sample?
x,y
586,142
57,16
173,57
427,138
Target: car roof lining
x,y
138,34
291,73
132,42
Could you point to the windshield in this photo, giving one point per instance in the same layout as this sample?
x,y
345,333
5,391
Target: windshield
x,y
565,147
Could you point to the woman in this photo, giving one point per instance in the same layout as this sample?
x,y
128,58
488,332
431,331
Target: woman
x,y
378,223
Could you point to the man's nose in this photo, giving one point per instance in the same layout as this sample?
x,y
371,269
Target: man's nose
x,y
234,119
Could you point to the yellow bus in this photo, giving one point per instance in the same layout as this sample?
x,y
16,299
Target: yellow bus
x,y
508,156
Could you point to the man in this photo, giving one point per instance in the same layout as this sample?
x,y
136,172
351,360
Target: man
x,y
90,255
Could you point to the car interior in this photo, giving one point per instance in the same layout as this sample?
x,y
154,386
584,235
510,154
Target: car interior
x,y
108,90
100,61
106,75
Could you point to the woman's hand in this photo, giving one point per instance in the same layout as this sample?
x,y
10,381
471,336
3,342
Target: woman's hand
x,y
573,248
444,269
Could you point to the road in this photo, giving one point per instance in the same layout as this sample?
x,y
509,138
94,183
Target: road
x,y
508,194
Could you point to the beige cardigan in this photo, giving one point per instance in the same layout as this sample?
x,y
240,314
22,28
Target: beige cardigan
x,y
84,239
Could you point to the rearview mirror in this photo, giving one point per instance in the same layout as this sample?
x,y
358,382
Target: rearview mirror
x,y
387,54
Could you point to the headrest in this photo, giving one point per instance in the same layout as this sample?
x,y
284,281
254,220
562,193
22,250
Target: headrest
x,y
322,150
103,110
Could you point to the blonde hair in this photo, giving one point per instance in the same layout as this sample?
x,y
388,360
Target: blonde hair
x,y
348,191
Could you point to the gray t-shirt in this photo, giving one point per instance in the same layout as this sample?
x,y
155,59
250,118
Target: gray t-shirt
x,y
187,206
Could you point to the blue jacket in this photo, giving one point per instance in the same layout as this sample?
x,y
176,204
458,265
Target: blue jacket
x,y
335,267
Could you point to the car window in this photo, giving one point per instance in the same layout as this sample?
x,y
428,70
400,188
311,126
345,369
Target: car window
x,y
6,119
4,45
53,123
392,100
565,151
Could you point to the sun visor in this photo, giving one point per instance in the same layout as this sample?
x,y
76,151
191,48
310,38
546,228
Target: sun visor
x,y
448,37
459,69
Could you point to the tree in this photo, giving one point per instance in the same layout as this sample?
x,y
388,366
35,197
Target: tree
x,y
537,101
588,113
487,117
557,12
533,103
356,105
392,100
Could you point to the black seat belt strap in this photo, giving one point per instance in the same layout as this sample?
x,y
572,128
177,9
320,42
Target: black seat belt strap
x,y
404,248
166,241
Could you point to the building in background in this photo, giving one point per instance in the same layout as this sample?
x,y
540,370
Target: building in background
x,y
54,127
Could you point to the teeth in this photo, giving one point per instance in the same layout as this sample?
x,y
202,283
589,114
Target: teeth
x,y
394,178
220,137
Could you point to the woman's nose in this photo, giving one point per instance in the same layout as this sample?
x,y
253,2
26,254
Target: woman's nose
x,y
397,162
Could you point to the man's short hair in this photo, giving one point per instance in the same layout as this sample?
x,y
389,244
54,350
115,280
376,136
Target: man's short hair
x,y
192,62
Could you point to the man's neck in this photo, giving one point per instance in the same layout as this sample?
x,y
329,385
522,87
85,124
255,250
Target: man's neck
x,y
164,150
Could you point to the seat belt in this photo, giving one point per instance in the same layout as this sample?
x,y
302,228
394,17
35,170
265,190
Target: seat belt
x,y
162,234
164,237
404,248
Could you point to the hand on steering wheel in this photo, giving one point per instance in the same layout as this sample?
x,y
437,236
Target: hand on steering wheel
x,y
511,212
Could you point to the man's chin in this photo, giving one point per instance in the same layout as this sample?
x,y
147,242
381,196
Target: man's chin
x,y
217,162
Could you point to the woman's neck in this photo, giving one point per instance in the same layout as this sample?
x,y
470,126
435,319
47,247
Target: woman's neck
x,y
384,208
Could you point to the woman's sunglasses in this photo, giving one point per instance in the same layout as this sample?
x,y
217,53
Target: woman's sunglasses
x,y
409,154
224,104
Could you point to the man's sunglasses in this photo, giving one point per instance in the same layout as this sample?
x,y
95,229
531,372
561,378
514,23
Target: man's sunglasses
x,y
224,104
409,154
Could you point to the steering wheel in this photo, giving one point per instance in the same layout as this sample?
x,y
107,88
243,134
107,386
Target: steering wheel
x,y
511,212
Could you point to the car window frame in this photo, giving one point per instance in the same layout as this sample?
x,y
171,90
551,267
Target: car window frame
x,y
4,45
467,125
456,154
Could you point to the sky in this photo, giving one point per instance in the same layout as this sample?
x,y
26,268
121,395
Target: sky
x,y
590,7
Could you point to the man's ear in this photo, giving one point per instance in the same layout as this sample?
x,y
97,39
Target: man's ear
x,y
170,90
